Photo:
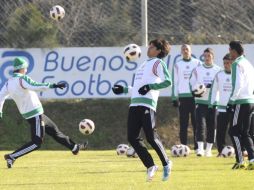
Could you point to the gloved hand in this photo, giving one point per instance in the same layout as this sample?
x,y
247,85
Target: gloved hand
x,y
175,103
60,85
208,85
117,89
144,89
197,95
230,108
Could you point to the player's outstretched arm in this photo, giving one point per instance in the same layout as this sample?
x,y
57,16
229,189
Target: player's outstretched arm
x,y
27,83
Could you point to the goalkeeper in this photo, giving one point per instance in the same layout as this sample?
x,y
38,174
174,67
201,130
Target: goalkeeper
x,y
21,89
151,76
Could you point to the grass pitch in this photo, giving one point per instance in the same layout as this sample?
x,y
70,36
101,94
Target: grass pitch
x,y
104,170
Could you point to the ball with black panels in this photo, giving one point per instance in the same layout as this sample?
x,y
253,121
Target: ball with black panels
x,y
228,151
86,126
121,149
132,52
199,89
57,12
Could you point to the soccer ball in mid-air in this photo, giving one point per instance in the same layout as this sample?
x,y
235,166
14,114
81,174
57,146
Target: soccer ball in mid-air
x,y
86,126
132,52
199,89
228,151
122,149
131,153
57,12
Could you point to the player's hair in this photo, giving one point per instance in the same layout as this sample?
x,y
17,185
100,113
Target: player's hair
x,y
186,45
16,71
162,45
227,57
237,46
209,50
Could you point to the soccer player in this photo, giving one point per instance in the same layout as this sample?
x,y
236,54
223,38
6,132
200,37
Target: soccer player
x,y
181,93
205,117
220,93
151,76
22,89
243,98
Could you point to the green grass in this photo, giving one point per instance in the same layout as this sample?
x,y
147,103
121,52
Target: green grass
x,y
104,170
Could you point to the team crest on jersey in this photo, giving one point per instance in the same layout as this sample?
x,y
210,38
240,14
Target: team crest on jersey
x,y
187,67
207,73
228,80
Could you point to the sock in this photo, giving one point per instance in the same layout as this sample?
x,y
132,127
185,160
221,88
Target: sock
x,y
209,147
201,146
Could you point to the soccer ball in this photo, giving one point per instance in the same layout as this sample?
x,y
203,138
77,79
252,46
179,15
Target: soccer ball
x,y
199,89
122,149
180,150
228,151
132,52
86,126
131,152
175,150
57,12
184,151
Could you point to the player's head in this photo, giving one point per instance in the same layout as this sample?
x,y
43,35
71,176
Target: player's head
x,y
186,51
20,65
227,61
158,48
235,49
208,56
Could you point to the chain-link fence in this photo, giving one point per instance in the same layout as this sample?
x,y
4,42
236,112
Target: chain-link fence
x,y
26,23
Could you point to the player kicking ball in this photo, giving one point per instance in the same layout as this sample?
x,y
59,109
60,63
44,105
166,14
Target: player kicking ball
x,y
22,89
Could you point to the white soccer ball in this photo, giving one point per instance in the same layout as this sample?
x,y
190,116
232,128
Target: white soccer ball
x,y
184,151
175,150
122,149
131,152
180,150
86,126
57,12
199,89
228,151
132,52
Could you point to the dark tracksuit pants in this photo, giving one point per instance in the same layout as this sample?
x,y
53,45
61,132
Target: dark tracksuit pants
x,y
187,110
222,124
241,130
141,117
205,118
52,130
37,134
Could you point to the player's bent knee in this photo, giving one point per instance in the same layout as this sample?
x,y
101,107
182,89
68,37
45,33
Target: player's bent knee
x,y
37,140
